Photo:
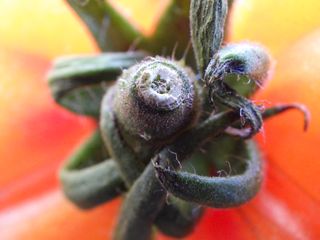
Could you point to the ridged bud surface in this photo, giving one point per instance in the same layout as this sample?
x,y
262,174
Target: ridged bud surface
x,y
155,99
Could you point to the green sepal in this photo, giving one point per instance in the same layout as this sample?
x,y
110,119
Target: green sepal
x,y
207,20
217,192
79,83
244,60
88,178
110,29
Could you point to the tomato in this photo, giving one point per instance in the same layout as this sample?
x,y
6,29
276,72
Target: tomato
x,y
36,135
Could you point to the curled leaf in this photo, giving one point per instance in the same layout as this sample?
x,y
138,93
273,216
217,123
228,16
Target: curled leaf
x,y
218,192
243,59
79,83
88,177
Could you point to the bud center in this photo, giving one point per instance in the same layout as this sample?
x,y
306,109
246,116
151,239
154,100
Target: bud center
x,y
160,88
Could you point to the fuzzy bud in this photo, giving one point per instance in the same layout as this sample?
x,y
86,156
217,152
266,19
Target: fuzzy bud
x,y
155,99
248,60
